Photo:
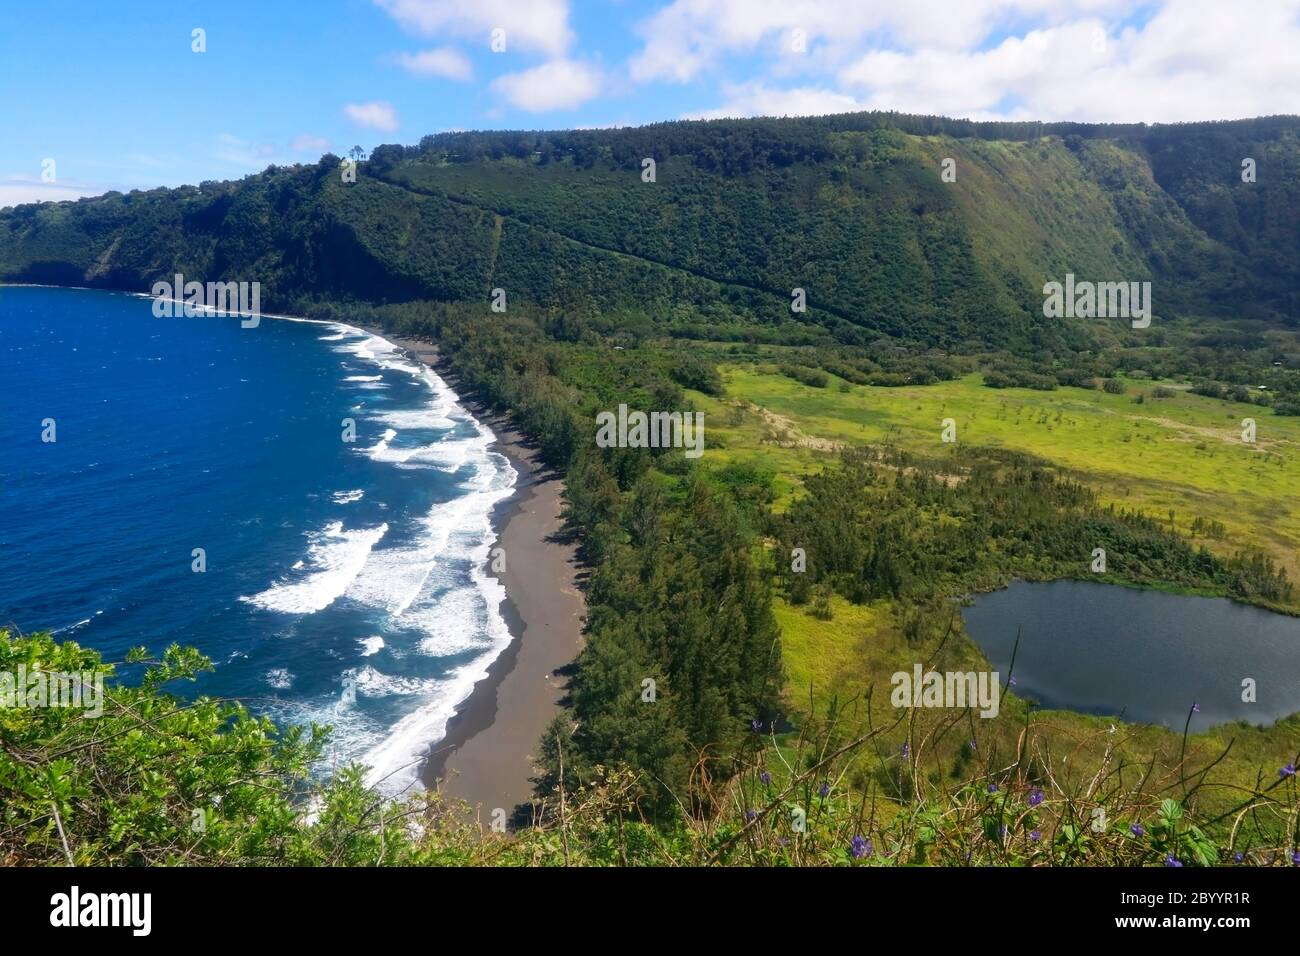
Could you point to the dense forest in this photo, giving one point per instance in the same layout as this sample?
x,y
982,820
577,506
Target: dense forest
x,y
611,281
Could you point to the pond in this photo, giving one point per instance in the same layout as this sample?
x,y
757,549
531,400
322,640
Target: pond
x,y
1143,655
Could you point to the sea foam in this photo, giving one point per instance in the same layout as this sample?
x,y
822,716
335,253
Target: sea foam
x,y
334,558
429,582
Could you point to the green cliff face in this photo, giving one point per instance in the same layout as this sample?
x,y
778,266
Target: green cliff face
x,y
855,210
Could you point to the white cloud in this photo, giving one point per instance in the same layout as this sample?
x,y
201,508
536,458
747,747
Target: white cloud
x,y
1013,59
538,25
19,190
307,143
1194,60
380,116
445,61
688,37
757,99
556,85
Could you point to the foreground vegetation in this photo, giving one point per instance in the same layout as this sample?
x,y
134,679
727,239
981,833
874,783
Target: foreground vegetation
x,y
160,781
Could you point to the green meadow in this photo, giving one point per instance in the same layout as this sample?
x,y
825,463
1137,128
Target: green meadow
x,y
1182,454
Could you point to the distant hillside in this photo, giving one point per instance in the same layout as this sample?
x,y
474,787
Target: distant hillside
x,y
850,208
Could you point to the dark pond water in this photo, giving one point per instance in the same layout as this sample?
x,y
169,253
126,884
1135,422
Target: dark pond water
x,y
1147,655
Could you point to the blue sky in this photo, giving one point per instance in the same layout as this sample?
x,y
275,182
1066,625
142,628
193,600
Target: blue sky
x,y
116,97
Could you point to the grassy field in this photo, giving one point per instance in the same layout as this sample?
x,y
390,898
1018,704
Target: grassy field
x,y
1182,454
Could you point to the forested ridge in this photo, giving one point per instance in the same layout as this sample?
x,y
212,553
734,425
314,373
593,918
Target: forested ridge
x,y
626,291
851,208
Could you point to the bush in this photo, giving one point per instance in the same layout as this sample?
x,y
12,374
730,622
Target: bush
x,y
808,376
690,371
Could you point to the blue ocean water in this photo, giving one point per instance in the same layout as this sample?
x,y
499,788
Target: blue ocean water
x,y
344,580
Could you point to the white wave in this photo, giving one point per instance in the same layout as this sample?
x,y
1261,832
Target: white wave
x,y
334,558
379,450
381,352
372,683
347,497
435,416
454,623
464,619
456,530
279,678
394,577
420,585
370,382
447,454
395,761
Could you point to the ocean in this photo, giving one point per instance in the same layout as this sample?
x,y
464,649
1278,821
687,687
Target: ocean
x,y
343,582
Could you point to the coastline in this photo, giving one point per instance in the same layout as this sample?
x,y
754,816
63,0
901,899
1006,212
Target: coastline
x,y
486,754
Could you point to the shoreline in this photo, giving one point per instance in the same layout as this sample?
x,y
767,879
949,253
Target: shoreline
x,y
485,756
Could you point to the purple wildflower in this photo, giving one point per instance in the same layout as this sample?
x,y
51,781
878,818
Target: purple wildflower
x,y
1035,797
1287,771
756,725
1172,861
824,790
765,777
1137,830
1035,835
905,750
1295,857
993,788
1196,708
1238,857
1011,681
971,744
861,847
751,815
